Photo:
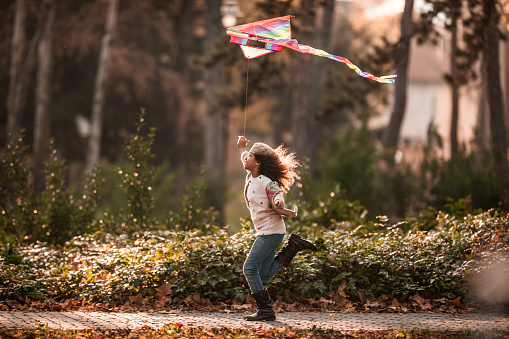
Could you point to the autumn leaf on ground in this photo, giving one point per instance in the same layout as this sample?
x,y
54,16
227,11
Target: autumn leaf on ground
x,y
362,296
417,299
340,296
136,299
456,303
348,310
163,290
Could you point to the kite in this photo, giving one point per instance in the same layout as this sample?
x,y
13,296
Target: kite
x,y
276,34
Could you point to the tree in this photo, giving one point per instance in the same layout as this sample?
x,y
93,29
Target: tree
x,y
462,61
456,9
491,64
392,131
43,96
14,99
306,73
215,115
94,143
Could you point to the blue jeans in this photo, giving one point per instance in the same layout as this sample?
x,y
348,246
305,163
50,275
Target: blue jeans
x,y
260,264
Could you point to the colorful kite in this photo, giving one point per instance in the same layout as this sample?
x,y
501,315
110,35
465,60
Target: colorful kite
x,y
276,33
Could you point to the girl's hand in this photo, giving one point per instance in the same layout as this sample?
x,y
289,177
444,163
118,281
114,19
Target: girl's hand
x,y
279,204
286,212
242,143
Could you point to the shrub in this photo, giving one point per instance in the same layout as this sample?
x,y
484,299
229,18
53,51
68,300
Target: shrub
x,y
192,214
319,212
354,163
136,177
17,201
114,269
472,176
55,215
64,213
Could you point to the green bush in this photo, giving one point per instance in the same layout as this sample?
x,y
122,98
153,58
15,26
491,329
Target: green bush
x,y
104,268
192,214
472,176
137,178
57,214
353,161
17,201
320,211
61,212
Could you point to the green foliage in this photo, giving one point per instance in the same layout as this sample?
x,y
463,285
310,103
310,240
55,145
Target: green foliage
x,y
17,201
56,215
473,176
364,175
103,268
63,213
318,212
192,214
60,212
137,177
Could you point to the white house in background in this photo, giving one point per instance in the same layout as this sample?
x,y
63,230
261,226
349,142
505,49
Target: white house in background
x,y
429,98
429,101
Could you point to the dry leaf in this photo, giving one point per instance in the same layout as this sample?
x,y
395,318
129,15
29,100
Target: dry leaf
x,y
418,299
456,303
136,299
348,310
426,306
362,296
163,290
327,301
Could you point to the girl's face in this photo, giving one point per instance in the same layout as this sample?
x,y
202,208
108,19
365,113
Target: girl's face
x,y
250,163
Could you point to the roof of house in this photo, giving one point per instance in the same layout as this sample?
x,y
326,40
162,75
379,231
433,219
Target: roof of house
x,y
428,63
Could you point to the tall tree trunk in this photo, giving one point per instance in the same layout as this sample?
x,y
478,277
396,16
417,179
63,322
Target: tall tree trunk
x,y
483,131
506,85
306,75
391,136
495,99
94,142
454,89
15,89
186,47
215,116
43,97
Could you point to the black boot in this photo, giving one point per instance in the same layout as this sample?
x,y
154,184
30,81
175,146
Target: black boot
x,y
265,310
294,245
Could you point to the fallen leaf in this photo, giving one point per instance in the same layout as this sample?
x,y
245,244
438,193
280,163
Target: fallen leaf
x,y
348,310
362,296
372,303
136,299
456,303
418,299
163,290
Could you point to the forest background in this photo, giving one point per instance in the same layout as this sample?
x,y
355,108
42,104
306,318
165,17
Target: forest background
x,y
74,76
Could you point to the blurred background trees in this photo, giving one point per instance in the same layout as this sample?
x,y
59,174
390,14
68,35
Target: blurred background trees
x,y
80,71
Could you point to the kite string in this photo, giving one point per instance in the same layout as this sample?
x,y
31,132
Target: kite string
x,y
247,86
245,108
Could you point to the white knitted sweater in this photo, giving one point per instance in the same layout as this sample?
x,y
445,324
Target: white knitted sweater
x,y
260,193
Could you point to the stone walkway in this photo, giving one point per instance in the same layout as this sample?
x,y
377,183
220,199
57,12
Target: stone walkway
x,y
296,320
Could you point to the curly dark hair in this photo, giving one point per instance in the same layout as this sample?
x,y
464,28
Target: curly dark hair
x,y
279,168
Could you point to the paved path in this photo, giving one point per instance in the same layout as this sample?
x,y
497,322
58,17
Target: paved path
x,y
297,320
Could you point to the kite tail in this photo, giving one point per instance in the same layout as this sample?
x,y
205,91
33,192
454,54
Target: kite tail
x,y
386,79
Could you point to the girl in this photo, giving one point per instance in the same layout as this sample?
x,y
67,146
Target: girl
x,y
270,174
